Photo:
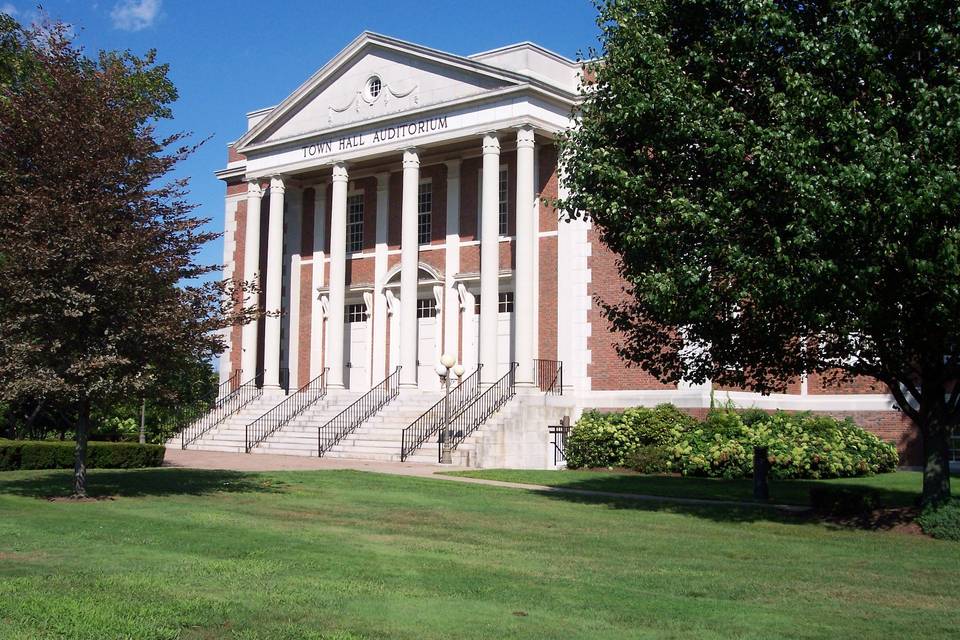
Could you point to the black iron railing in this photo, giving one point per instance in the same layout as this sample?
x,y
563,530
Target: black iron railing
x,y
548,376
470,417
559,442
202,420
292,406
357,413
432,419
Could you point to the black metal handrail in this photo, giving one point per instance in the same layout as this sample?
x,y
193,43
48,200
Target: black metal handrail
x,y
203,420
548,376
347,421
288,409
470,417
431,421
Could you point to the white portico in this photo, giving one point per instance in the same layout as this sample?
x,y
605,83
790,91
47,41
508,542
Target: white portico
x,y
409,180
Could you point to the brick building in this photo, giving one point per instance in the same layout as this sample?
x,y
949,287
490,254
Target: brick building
x,y
396,208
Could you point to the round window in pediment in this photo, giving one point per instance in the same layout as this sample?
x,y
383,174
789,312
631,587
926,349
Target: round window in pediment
x,y
374,87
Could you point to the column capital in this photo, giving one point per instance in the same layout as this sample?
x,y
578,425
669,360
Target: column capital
x,y
340,172
525,137
383,181
276,184
453,168
491,143
411,158
254,189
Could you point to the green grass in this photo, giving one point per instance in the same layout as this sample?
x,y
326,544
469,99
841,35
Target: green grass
x,y
342,554
896,489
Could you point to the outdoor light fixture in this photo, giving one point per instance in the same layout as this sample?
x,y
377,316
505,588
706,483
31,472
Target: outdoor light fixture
x,y
446,366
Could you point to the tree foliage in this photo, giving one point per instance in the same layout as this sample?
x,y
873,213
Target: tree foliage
x,y
780,181
97,296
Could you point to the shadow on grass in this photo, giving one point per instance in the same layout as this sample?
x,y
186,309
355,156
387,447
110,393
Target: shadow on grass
x,y
898,504
136,483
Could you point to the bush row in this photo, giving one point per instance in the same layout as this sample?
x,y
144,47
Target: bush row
x,y
55,454
661,439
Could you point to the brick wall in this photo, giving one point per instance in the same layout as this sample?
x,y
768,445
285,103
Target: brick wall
x,y
606,370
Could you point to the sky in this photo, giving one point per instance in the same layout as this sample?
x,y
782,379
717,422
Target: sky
x,y
230,57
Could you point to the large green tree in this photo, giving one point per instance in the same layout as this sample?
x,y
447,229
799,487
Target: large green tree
x,y
99,243
780,180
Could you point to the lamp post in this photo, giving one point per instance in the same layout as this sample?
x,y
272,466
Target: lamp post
x,y
443,369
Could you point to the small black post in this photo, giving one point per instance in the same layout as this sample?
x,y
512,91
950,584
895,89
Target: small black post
x,y
761,469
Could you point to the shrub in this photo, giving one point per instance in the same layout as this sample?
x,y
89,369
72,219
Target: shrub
x,y
942,521
844,501
606,440
799,445
651,458
55,454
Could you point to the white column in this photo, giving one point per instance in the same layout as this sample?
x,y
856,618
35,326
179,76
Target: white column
x,y
338,272
379,359
409,258
451,315
523,285
316,312
251,268
271,324
489,258
294,246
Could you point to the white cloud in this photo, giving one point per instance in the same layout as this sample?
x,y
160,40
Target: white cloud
x,y
135,15
8,9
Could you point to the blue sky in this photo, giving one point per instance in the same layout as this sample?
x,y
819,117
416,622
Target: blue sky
x,y
227,58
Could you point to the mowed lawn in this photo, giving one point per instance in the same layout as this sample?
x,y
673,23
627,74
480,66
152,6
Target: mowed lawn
x,y
342,554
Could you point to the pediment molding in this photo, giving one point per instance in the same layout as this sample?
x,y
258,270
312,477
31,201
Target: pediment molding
x,y
259,135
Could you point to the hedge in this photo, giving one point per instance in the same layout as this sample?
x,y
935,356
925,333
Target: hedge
x,y
800,445
942,520
56,454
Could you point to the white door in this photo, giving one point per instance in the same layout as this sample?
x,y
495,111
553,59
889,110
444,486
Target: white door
x,y
427,377
504,342
355,357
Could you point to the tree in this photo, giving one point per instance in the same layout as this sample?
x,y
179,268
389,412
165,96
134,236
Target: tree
x,y
780,182
99,244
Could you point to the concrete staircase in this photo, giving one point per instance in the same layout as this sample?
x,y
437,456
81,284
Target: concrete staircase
x,y
380,437
515,436
299,436
230,434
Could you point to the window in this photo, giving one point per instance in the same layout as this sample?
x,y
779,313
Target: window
x,y
354,313
355,222
504,302
425,213
374,86
502,192
426,308
503,202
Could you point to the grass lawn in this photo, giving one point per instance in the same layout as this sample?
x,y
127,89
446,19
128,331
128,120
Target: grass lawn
x,y
342,554
900,489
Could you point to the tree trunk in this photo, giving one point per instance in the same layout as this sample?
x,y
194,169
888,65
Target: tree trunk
x,y
80,452
936,455
761,471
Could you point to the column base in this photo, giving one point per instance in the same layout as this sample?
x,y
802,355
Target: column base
x,y
408,385
335,385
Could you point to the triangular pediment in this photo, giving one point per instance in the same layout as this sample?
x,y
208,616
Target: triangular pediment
x,y
343,92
